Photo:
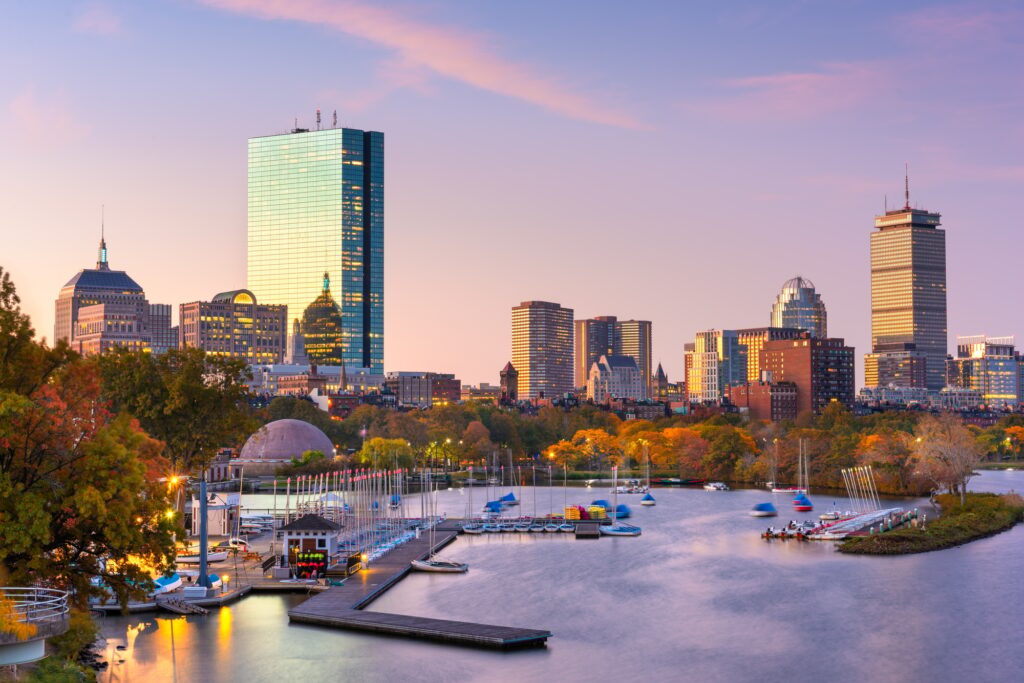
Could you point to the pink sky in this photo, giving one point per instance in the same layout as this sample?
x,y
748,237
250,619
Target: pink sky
x,y
675,164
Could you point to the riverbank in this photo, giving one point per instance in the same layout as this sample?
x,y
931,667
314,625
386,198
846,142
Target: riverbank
x,y
982,515
1002,465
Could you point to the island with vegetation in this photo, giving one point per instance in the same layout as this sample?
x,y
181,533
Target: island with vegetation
x,y
978,515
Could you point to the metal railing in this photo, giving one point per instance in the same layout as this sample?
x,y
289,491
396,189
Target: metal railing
x,y
33,604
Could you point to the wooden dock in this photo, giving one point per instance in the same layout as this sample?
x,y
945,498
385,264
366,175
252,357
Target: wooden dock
x,y
588,530
341,606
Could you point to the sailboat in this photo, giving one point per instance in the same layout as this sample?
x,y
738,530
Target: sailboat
x,y
801,503
648,499
471,527
565,527
430,564
616,529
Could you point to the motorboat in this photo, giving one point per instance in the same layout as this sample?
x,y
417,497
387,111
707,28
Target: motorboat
x,y
631,486
716,486
795,490
648,500
764,510
440,566
829,516
567,528
620,530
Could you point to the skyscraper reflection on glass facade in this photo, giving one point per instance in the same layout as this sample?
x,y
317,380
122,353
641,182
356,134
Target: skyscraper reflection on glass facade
x,y
316,204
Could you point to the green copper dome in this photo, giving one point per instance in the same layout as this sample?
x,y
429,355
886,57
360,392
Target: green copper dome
x,y
322,329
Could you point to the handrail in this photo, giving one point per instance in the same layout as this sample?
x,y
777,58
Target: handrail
x,y
35,604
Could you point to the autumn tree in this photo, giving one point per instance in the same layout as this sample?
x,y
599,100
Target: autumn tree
x,y
947,453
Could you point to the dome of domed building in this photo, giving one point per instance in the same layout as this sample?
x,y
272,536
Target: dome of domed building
x,y
798,305
285,439
322,329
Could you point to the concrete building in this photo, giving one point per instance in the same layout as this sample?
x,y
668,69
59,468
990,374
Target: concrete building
x,y
896,364
234,324
659,385
265,378
908,289
509,382
125,304
316,204
542,348
821,369
615,377
764,400
799,306
753,340
990,366
423,389
482,392
717,360
607,335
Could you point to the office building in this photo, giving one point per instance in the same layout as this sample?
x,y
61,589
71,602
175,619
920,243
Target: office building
x,y
896,364
608,336
234,324
316,204
717,361
102,327
423,389
763,400
129,310
753,340
799,306
163,336
615,377
908,289
542,346
821,369
990,366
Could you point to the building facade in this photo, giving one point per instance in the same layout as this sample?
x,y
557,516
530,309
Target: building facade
x,y
989,365
607,335
542,346
509,383
908,288
316,204
101,285
423,389
717,361
799,306
615,377
753,340
821,369
163,336
233,324
896,365
323,329
775,401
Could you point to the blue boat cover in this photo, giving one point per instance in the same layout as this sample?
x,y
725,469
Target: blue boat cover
x,y
508,496
764,507
395,499
603,503
647,496
623,511
494,506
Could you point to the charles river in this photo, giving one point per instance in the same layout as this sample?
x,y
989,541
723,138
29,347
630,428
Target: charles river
x,y
698,597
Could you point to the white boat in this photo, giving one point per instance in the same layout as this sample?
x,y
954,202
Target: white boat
x,y
795,490
473,528
440,566
716,486
166,584
620,530
536,528
522,526
551,528
566,528
218,556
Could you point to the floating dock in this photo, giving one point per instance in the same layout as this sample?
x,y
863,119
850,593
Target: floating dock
x,y
341,606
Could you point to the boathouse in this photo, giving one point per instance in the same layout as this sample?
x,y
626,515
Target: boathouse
x,y
309,542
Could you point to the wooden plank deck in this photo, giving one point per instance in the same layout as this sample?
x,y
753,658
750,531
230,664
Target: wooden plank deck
x,y
340,606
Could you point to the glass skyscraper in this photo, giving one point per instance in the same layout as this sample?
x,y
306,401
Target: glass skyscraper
x,y
908,292
799,306
316,205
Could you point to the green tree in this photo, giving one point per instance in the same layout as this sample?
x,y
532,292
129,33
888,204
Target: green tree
x,y
380,453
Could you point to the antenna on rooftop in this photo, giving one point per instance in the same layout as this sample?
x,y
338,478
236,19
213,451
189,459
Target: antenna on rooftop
x,y
906,185
886,203
334,123
318,119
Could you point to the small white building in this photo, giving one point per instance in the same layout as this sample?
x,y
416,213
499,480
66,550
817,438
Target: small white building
x,y
615,377
309,543
221,514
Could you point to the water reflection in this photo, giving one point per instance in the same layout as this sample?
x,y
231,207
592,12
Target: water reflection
x,y
698,596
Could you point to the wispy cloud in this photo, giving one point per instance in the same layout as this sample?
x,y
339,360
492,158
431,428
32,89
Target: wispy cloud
x,y
44,120
447,51
796,95
967,22
98,18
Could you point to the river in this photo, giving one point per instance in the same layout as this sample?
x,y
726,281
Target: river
x,y
699,596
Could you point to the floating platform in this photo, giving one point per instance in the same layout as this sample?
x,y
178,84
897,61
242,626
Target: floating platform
x,y
341,606
588,529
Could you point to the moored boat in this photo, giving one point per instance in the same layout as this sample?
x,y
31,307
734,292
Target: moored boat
x,y
440,566
620,530
567,528
473,528
764,510
648,500
716,486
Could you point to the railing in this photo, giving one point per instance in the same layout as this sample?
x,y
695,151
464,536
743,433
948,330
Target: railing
x,y
37,604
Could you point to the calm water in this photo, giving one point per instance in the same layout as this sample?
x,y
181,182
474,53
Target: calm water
x,y
698,597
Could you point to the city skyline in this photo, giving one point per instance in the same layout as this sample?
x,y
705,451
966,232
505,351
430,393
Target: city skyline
x,y
183,249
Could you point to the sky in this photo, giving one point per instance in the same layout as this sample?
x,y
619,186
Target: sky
x,y
675,162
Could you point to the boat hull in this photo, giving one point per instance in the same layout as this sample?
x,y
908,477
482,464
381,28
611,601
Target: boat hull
x,y
439,567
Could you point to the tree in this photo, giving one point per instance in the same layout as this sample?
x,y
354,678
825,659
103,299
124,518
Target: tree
x,y
947,453
194,402
380,453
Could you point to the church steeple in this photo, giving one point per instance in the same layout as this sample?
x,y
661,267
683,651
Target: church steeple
x,y
101,262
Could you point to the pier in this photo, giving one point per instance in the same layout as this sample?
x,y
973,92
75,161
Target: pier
x,y
341,606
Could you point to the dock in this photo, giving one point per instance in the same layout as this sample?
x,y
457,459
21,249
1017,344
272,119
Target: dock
x,y
588,530
341,606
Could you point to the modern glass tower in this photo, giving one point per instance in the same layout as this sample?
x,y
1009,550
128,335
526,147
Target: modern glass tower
x,y
799,306
908,291
316,204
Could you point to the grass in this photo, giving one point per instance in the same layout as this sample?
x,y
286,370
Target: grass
x,y
982,515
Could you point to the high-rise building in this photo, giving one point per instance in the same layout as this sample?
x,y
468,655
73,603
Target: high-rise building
x,y
233,324
754,338
102,327
799,306
821,369
316,203
908,288
608,336
615,377
717,361
542,349
129,310
423,389
989,365
896,364
163,336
